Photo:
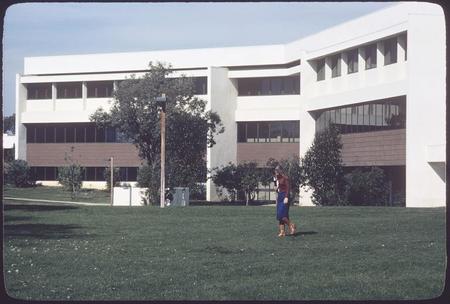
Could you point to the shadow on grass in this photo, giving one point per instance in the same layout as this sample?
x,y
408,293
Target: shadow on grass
x,y
13,218
36,207
301,233
43,231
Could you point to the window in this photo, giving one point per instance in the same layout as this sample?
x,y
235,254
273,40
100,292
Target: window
x,y
200,85
110,134
70,134
100,135
50,134
99,173
252,132
40,134
320,69
90,173
371,56
241,132
269,131
352,61
80,136
98,89
374,116
287,85
336,65
390,51
39,91
132,174
90,134
68,90
31,133
264,129
275,132
60,134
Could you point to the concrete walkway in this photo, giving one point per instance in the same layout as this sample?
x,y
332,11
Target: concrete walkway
x,y
51,201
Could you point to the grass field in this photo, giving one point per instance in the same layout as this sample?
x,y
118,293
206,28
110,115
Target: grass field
x,y
222,253
58,194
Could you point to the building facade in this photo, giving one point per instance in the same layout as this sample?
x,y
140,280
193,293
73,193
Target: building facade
x,y
379,78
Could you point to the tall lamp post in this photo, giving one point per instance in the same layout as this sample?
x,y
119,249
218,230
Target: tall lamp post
x,y
161,102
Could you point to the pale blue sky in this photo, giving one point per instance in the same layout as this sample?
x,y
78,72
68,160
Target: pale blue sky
x,y
41,29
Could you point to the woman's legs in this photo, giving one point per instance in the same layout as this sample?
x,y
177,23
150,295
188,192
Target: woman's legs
x,y
291,225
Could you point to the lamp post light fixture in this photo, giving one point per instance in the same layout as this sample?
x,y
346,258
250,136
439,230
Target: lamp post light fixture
x,y
161,102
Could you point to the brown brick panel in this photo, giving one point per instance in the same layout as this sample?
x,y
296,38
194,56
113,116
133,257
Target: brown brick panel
x,y
86,154
261,152
380,148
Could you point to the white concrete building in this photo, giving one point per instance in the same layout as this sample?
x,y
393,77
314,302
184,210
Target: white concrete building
x,y
380,78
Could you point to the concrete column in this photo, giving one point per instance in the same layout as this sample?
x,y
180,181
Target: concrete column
x,y
426,109
54,96
401,48
84,94
344,64
361,59
222,96
20,144
380,56
327,68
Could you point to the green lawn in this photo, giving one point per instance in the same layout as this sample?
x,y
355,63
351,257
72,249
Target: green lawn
x,y
57,194
222,253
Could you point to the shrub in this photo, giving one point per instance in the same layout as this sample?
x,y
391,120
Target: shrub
x,y
107,176
366,187
18,173
149,178
322,166
244,177
71,177
197,192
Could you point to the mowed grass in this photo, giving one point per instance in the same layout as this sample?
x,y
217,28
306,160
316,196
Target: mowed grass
x,y
58,194
222,253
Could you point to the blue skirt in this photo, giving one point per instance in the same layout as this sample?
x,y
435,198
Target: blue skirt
x,y
282,208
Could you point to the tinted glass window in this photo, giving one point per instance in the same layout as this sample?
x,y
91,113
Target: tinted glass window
x,y
352,61
40,134
70,134
31,134
50,134
371,56
68,90
336,65
390,51
98,89
39,91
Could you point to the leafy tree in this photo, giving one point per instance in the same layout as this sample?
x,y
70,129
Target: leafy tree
x,y
366,187
18,173
190,128
292,168
9,123
322,166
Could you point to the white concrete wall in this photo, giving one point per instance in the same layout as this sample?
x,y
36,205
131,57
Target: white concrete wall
x,y
275,107
21,132
221,99
425,185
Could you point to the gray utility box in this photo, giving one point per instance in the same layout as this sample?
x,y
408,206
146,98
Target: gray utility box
x,y
180,196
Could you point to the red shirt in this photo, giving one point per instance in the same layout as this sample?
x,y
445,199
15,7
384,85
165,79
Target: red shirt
x,y
283,184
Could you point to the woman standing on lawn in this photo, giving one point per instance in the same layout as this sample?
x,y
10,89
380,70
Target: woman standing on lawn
x,y
282,182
